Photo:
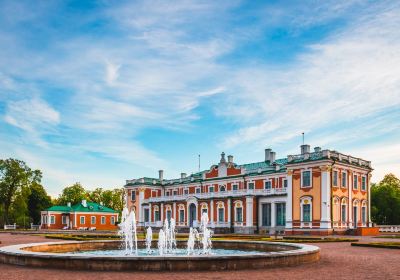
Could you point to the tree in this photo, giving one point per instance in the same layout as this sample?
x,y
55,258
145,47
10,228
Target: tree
x,y
385,201
14,175
38,200
74,194
96,195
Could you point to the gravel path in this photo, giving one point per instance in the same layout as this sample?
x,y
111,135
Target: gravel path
x,y
338,261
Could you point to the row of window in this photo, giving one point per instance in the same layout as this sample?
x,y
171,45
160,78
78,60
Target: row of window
x,y
344,180
81,220
280,214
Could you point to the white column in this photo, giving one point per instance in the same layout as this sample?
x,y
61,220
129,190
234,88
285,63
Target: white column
x,y
162,213
174,210
325,198
369,200
273,216
289,201
212,212
350,184
229,211
249,211
150,213
140,207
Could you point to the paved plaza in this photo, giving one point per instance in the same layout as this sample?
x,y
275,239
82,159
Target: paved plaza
x,y
338,261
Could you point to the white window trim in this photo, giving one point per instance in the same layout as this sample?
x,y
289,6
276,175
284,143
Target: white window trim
x,y
265,184
311,178
355,187
345,203
101,220
333,178
237,187
238,205
283,183
80,220
64,220
198,188
221,186
209,189
223,213
91,220
347,179
185,190
112,220
52,219
248,185
364,188
303,224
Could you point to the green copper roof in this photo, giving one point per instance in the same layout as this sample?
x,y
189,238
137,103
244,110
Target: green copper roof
x,y
90,207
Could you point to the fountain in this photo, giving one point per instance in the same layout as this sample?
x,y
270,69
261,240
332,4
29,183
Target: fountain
x,y
195,254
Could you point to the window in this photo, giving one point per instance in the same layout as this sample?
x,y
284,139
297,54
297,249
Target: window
x,y
221,215
64,220
112,220
239,217
280,214
198,190
307,213
266,215
344,213
103,220
146,215
355,182
181,215
175,192
204,210
167,193
285,183
82,220
222,188
306,179
335,178
344,179
52,220
211,189
267,185
186,191
364,215
169,215
251,186
133,195
92,220
156,215
363,183
234,187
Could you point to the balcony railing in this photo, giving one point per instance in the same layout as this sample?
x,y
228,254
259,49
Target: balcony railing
x,y
209,195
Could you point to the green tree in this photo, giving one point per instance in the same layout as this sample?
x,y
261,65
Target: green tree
x,y
96,195
385,201
38,200
14,176
74,194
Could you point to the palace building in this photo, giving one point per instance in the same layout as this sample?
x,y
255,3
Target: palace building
x,y
315,192
84,216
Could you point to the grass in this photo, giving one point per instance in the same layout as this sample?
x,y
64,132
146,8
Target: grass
x,y
387,245
389,236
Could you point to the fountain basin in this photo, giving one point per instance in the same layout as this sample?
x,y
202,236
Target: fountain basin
x,y
62,255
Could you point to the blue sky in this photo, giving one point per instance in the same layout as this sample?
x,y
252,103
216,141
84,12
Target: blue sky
x,y
113,90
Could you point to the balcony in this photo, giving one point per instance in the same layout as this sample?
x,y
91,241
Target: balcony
x,y
237,193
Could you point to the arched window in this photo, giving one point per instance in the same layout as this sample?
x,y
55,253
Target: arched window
x,y
204,208
356,215
221,212
238,211
306,210
364,212
181,208
336,209
156,213
222,188
343,209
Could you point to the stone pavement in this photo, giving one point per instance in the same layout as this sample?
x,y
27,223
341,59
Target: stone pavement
x,y
338,261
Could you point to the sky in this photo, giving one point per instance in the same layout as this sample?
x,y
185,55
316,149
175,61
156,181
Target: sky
x,y
98,92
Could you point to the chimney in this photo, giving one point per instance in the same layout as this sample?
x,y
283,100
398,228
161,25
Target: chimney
x,y
230,159
272,157
268,154
317,149
183,175
161,174
84,204
305,149
68,204
222,158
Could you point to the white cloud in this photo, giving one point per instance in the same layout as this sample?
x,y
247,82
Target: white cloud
x,y
112,72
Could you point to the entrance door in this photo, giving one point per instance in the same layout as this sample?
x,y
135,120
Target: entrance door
x,y
192,214
355,216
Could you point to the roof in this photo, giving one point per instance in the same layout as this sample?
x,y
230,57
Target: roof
x,y
90,207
